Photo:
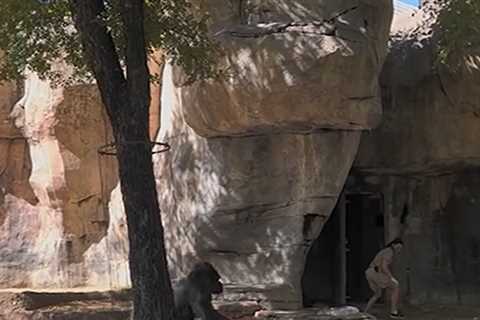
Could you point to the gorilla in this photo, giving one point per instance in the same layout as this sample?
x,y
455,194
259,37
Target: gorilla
x,y
193,294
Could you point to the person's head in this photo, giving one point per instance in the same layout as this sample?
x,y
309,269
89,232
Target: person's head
x,y
396,244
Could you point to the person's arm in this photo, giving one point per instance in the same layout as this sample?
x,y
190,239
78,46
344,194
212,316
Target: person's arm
x,y
385,265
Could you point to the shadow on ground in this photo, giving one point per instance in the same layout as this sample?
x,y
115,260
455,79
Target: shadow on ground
x,y
116,305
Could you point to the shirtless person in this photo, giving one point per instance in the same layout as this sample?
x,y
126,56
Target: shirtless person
x,y
379,277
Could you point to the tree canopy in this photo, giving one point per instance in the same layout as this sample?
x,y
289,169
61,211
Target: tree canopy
x,y
109,40
458,26
35,35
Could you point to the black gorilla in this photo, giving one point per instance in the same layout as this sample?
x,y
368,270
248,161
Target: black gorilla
x,y
193,294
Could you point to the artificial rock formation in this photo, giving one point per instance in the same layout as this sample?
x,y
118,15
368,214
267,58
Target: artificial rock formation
x,y
52,213
429,177
62,223
425,107
431,110
258,159
292,66
249,205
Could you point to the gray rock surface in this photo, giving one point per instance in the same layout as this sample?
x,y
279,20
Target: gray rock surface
x,y
431,111
250,205
258,159
423,161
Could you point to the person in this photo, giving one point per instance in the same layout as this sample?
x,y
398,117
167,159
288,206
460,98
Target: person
x,y
379,277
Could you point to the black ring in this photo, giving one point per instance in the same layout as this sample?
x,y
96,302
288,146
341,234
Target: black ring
x,y
110,148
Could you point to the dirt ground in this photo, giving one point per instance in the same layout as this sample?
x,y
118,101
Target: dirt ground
x,y
116,305
431,312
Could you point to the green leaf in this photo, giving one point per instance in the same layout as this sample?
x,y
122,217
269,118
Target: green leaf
x,y
34,36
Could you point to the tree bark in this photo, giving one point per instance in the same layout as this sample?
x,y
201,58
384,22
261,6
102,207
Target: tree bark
x,y
127,100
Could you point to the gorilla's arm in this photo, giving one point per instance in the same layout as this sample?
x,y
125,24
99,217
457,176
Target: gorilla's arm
x,y
203,308
193,295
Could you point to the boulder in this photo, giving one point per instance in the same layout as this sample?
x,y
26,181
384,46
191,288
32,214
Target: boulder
x,y
295,66
260,156
250,205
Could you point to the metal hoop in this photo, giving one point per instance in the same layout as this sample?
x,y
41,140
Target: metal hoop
x,y
110,149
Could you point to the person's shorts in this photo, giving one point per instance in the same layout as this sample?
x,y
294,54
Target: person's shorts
x,y
378,280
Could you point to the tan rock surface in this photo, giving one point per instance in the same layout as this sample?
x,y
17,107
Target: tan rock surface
x,y
249,205
51,188
251,201
294,66
62,223
431,122
252,174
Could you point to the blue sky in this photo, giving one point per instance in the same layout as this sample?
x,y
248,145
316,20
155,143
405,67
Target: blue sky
x,y
412,2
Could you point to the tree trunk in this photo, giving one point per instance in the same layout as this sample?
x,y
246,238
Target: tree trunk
x,y
127,102
148,265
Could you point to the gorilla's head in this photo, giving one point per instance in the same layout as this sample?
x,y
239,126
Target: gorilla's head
x,y
206,277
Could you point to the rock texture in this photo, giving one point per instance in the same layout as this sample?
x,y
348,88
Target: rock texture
x,y
52,209
431,111
258,159
437,216
293,66
423,160
15,164
257,162
249,205
402,16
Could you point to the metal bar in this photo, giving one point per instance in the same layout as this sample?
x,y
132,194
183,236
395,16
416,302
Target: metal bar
x,y
342,250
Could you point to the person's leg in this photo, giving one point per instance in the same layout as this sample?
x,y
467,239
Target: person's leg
x,y
374,284
395,299
373,299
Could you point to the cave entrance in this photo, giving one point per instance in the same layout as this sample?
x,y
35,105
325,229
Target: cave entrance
x,y
336,262
365,237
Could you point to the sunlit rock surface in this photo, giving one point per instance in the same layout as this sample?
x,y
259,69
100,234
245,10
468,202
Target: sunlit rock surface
x,y
423,161
293,66
259,158
54,226
431,110
257,162
250,205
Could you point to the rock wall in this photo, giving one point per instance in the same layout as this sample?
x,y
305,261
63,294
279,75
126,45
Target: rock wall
x,y
432,113
257,162
259,157
424,160
52,208
431,110
15,166
249,205
437,216
291,66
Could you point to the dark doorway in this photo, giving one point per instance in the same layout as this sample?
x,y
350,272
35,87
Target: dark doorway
x,y
349,240
365,237
321,273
